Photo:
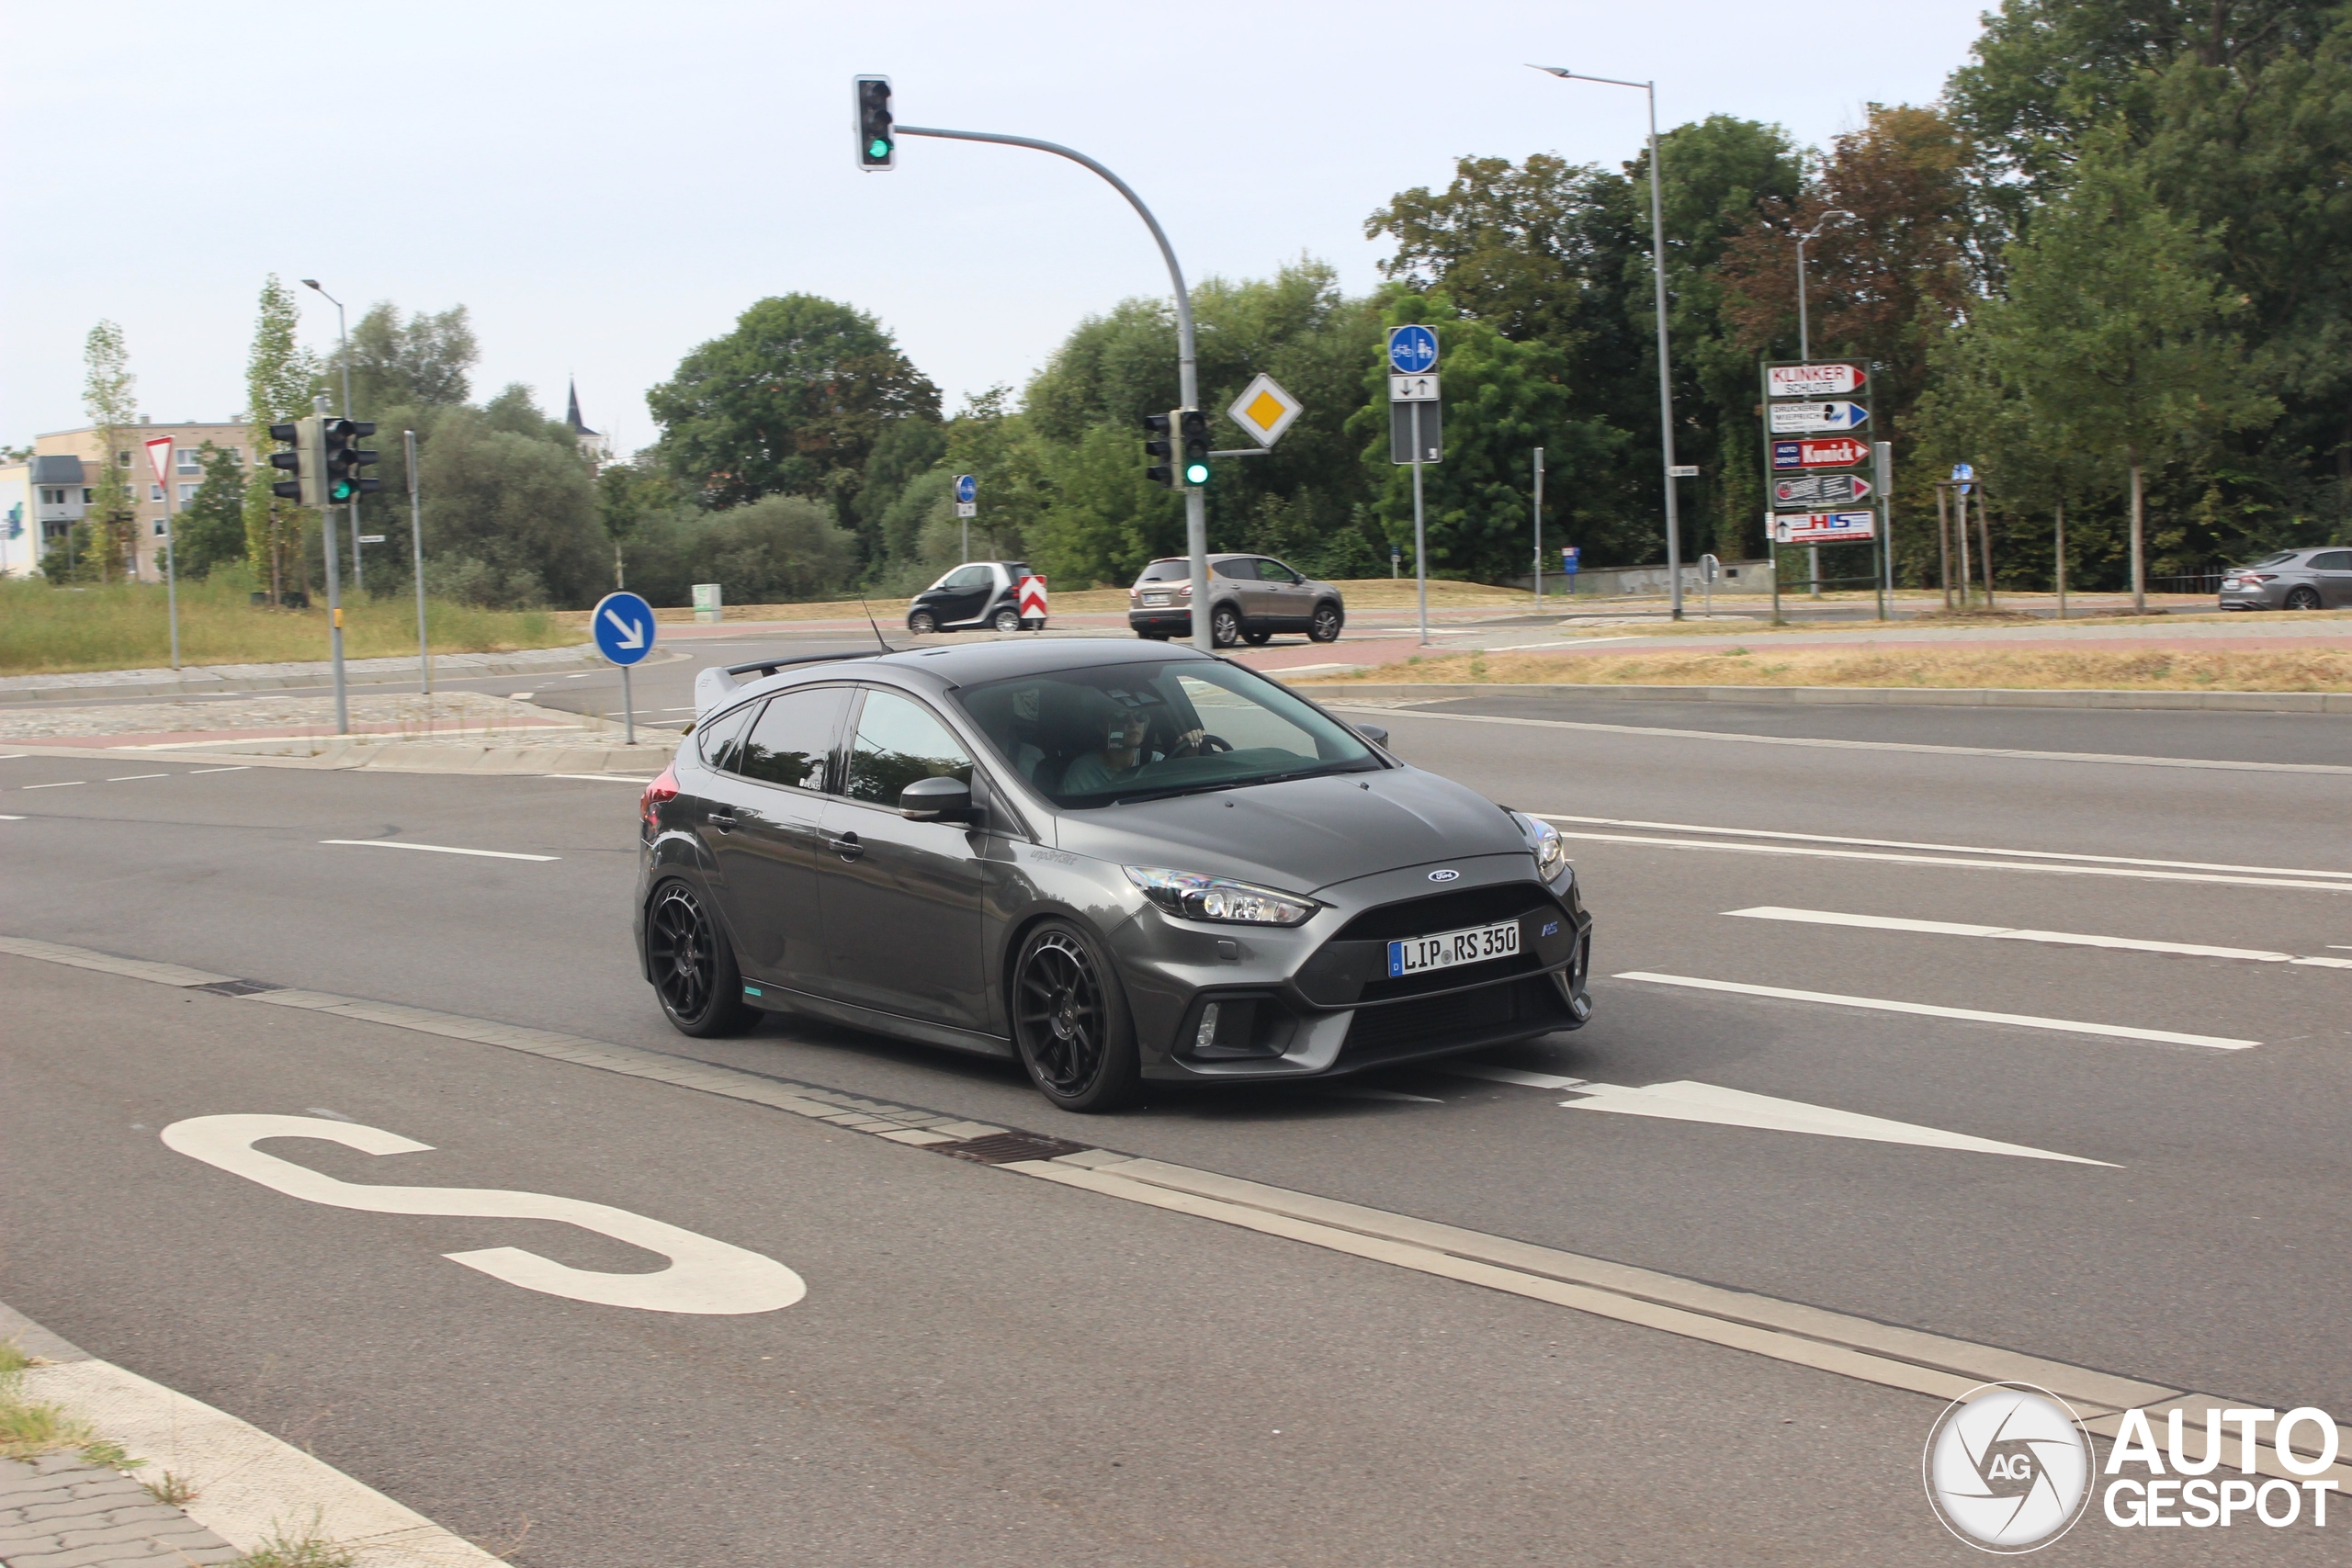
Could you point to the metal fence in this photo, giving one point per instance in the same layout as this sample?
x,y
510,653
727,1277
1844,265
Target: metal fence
x,y
2198,582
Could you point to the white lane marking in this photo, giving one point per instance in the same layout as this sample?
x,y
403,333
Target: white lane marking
x,y
582,676
434,849
2016,934
1948,849
240,768
1923,1010
14,756
518,696
2012,753
1512,1076
704,1276
600,778
5,818
130,778
62,783
1948,860
1688,1101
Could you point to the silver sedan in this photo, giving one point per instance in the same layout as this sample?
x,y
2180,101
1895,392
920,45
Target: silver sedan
x,y
2293,580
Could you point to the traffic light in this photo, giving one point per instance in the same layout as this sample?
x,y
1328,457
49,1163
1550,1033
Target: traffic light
x,y
307,462
877,145
1193,427
1161,449
343,459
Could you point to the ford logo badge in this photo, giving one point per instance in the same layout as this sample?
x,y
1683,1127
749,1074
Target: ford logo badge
x,y
1443,876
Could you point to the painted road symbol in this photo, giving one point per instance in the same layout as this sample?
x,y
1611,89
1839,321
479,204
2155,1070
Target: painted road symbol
x,y
1819,489
704,1276
1835,414
1813,381
1834,453
623,625
1412,350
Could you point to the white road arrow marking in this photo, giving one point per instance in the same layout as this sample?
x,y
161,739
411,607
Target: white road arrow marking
x,y
632,632
704,1276
1687,1101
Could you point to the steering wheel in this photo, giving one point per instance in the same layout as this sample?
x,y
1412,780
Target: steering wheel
x,y
1209,745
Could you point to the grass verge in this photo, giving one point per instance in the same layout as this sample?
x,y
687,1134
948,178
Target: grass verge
x,y
2088,668
27,1427
125,626
307,1549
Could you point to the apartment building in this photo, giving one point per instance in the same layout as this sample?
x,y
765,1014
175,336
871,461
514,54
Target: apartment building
x,y
130,460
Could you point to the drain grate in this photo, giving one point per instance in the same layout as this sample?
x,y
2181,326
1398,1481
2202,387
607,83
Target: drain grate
x,y
1003,1148
237,987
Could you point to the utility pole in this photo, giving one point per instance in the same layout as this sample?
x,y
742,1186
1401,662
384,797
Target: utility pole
x,y
358,567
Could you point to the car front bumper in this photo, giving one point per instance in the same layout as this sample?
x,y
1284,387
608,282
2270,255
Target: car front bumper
x,y
1316,1000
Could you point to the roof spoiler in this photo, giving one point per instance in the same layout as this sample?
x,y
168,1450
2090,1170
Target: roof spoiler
x,y
713,685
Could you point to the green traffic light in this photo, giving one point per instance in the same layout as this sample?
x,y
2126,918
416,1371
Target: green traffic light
x,y
1196,473
878,148
342,490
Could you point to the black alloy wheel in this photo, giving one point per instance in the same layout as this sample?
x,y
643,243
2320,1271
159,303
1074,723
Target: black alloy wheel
x,y
1070,1022
2302,599
1007,620
1326,627
1224,625
922,622
693,967
1257,639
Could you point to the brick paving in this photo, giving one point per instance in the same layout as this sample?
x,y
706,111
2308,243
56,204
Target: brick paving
x,y
57,1511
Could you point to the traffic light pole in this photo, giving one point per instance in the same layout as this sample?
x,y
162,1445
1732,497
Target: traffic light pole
x,y
334,598
1196,527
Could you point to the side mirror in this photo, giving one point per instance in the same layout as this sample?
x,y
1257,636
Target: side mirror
x,y
936,800
1372,733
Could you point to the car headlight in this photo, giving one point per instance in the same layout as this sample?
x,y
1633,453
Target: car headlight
x,y
1196,896
1551,850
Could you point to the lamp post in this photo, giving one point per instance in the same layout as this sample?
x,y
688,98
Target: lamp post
x,y
1805,336
358,568
1665,365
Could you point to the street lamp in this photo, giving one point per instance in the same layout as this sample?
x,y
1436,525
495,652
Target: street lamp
x,y
1665,365
358,568
1805,338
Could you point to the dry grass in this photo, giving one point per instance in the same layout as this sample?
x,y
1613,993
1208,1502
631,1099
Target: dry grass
x,y
46,630
2150,669
28,1427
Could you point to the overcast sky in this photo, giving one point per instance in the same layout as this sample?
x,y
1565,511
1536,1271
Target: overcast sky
x,y
606,185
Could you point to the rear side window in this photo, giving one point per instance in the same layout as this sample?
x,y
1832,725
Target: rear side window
x,y
794,737
899,741
722,738
1238,571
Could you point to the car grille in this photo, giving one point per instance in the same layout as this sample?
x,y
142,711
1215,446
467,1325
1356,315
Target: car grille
x,y
1505,1011
1444,911
1352,967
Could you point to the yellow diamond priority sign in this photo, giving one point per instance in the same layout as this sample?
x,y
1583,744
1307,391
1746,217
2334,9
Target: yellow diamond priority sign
x,y
1264,410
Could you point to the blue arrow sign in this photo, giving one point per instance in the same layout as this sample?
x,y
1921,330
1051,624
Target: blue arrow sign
x,y
1412,351
623,625
967,488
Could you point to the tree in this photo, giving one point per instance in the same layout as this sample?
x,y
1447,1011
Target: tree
x,y
773,550
2116,331
420,361
510,520
281,378
109,404
210,531
791,402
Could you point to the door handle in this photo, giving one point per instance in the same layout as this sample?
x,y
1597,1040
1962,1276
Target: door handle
x,y
846,846
723,821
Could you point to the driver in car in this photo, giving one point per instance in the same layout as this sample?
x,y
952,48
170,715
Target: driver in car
x,y
1122,752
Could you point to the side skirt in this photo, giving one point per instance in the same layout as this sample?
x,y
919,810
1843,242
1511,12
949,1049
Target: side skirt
x,y
769,998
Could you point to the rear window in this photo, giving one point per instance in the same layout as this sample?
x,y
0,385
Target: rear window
x,y
1167,571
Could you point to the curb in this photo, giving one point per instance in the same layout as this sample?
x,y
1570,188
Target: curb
x,y
1924,696
342,756
203,680
250,1486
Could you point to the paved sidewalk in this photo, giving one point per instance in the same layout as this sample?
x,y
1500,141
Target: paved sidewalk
x,y
59,1511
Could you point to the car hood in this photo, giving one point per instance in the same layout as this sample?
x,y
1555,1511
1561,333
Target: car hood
x,y
1303,835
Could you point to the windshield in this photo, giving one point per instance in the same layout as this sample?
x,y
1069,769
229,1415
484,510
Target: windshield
x,y
1095,736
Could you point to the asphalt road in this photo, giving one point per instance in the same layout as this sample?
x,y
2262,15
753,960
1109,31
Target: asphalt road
x,y
987,1369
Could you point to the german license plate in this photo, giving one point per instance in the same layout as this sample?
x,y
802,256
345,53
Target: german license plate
x,y
1472,944
1155,598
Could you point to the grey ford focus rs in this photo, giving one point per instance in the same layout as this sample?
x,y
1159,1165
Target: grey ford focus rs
x,y
1113,862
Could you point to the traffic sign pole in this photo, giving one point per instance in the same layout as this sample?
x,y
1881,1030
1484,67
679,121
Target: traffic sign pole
x,y
1420,536
335,595
1539,528
622,624
161,461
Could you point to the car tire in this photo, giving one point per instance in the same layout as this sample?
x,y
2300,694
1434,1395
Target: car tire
x,y
2302,599
1325,626
1071,1024
1257,639
922,622
694,965
1224,625
1006,620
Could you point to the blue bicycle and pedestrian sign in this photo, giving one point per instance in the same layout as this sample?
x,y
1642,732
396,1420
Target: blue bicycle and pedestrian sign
x,y
622,623
967,488
1412,350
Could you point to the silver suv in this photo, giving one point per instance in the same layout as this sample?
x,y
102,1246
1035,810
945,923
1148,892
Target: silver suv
x,y
1252,597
